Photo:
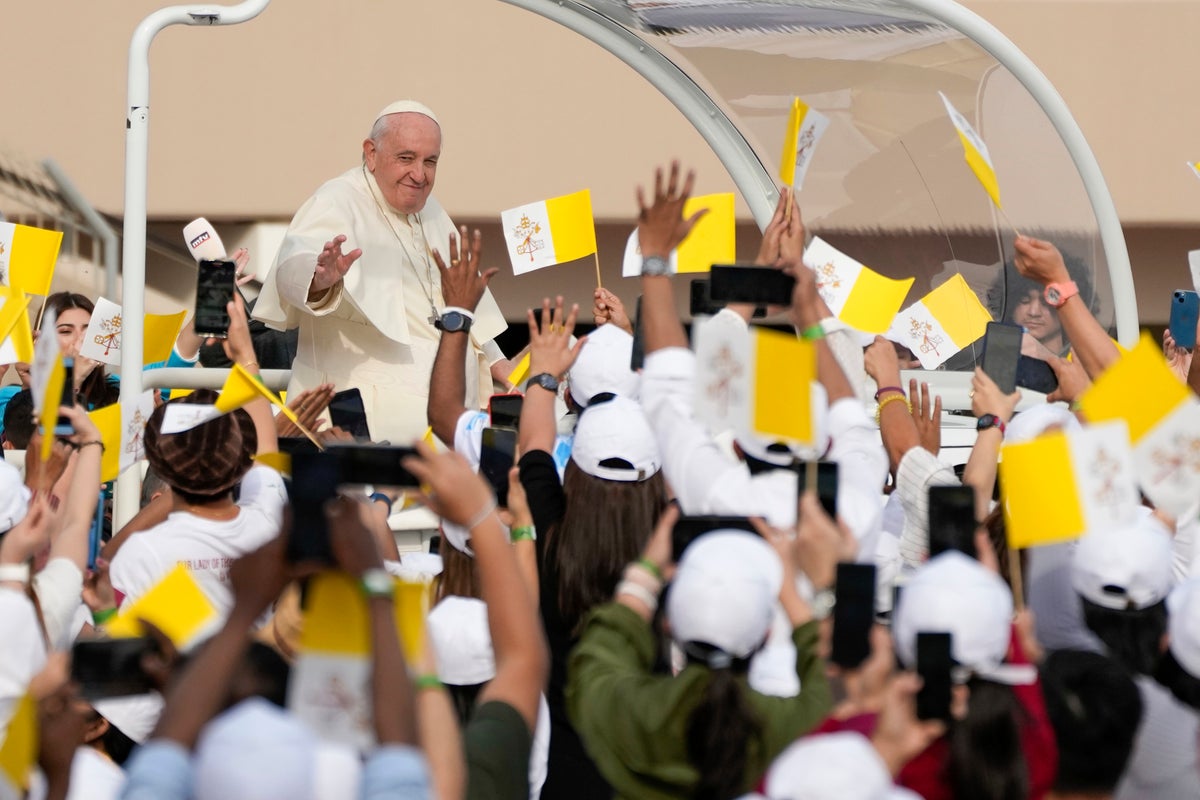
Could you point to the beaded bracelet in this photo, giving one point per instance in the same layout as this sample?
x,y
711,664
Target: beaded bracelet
x,y
891,398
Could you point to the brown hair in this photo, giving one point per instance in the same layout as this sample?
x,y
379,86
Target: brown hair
x,y
95,390
458,577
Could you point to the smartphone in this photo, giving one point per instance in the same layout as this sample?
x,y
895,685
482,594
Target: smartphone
x,y
375,464
730,283
111,667
853,614
934,661
827,484
96,534
496,457
952,521
637,358
699,301
315,478
296,444
214,290
63,426
1033,373
689,529
504,410
1001,352
1185,308
346,411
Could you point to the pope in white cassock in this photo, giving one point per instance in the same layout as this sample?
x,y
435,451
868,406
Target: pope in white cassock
x,y
368,312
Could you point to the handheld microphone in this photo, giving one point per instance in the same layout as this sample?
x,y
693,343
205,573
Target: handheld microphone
x,y
203,242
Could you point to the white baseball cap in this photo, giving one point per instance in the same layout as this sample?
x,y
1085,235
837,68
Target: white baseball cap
x,y
833,766
1126,567
1183,625
603,366
616,428
953,593
462,641
135,715
725,591
1035,421
254,751
14,497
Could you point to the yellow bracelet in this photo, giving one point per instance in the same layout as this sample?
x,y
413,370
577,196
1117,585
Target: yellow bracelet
x,y
890,398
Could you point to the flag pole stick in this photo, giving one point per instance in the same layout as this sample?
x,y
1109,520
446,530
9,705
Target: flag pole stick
x,y
312,437
1014,577
596,256
791,200
42,311
1004,214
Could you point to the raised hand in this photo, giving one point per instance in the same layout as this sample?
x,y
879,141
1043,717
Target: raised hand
x,y
462,283
661,226
550,342
927,418
332,265
308,406
881,363
608,308
1039,261
986,397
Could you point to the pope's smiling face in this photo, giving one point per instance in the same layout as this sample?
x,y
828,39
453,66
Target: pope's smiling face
x,y
404,158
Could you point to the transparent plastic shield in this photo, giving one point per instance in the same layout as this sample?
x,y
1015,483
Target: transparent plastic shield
x,y
887,182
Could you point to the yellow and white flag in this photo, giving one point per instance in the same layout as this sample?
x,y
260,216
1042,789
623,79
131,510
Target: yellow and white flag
x,y
176,605
941,323
805,128
975,151
122,426
16,334
1195,167
240,388
855,293
711,241
102,341
754,380
1163,416
549,232
1059,486
27,257
19,750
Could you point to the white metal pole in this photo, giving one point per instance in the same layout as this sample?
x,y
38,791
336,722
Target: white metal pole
x,y
137,139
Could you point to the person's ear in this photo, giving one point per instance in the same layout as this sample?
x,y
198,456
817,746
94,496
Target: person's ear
x,y
95,729
7,445
369,153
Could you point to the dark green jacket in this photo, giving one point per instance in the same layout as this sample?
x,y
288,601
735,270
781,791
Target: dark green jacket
x,y
634,722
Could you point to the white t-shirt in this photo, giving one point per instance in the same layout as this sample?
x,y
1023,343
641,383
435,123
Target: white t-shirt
x,y
207,547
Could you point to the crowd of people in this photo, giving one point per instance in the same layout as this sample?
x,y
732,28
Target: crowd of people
x,y
575,644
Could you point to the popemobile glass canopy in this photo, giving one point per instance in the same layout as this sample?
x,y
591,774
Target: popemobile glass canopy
x,y
887,183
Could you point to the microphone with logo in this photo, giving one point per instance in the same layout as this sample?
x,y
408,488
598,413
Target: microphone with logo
x,y
215,280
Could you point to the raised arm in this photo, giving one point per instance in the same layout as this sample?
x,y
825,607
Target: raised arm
x,y
808,309
895,422
72,540
462,287
550,354
661,228
240,349
980,472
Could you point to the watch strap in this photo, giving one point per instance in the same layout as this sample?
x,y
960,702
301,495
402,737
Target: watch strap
x,y
377,583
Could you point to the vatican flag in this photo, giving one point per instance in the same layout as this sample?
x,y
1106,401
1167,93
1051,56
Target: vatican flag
x,y
805,128
549,232
855,293
975,151
27,257
941,323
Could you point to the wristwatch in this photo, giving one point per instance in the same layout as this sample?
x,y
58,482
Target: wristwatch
x,y
453,322
544,380
655,265
822,604
377,582
989,421
1056,294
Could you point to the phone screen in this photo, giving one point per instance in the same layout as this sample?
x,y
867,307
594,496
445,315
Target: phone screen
x,y
952,520
637,358
1033,373
63,426
689,529
827,484
496,457
375,464
853,614
1001,352
934,660
757,285
346,411
111,667
504,410
315,478
214,289
1185,307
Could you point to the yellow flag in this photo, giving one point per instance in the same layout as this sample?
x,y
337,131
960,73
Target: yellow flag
x,y
280,462
1139,388
856,294
20,748
108,420
30,255
975,151
549,232
159,334
241,388
791,139
336,621
48,413
520,373
711,241
784,369
14,323
176,605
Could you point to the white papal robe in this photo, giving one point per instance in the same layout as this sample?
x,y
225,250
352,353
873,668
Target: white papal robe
x,y
373,330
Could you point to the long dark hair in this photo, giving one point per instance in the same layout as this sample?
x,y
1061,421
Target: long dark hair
x,y
458,577
606,525
95,389
986,760
720,732
1132,637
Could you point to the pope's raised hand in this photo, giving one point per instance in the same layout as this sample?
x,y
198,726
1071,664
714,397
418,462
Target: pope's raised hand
x,y
332,265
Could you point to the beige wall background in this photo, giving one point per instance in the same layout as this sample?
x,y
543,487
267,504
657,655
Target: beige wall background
x,y
247,120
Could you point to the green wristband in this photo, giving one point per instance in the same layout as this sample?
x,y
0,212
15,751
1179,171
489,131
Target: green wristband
x,y
522,533
812,333
427,682
103,615
651,567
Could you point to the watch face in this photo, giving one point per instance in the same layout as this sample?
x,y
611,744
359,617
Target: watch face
x,y
1053,295
985,422
453,321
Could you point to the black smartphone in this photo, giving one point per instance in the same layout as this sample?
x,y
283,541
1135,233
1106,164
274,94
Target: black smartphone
x,y
730,283
315,478
827,484
63,426
952,521
689,529
346,411
1033,373
637,358
111,667
1001,352
497,455
296,444
1185,308
214,289
934,662
504,410
853,614
375,464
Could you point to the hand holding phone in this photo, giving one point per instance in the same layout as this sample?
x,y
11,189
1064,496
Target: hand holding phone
x,y
827,483
214,290
497,455
111,667
346,411
759,286
1001,353
1185,308
853,614
63,426
952,522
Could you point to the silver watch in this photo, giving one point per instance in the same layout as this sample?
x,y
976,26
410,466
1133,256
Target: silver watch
x,y
822,604
655,265
377,582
